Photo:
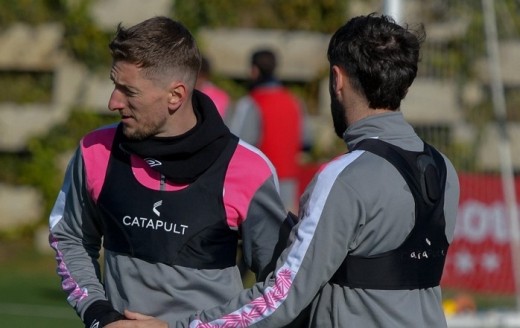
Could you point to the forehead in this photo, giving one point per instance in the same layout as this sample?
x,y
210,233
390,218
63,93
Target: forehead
x,y
129,74
123,71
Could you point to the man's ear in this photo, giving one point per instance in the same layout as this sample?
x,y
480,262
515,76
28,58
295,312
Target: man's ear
x,y
338,79
177,95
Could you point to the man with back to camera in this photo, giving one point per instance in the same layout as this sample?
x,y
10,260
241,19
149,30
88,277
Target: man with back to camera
x,y
375,223
167,193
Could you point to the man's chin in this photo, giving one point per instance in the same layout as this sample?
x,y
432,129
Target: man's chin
x,y
132,134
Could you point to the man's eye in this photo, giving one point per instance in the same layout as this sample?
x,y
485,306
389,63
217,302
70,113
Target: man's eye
x,y
125,90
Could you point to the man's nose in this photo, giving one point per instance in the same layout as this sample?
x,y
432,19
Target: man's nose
x,y
116,101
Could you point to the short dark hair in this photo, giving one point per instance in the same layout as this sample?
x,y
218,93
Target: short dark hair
x,y
160,45
265,60
379,56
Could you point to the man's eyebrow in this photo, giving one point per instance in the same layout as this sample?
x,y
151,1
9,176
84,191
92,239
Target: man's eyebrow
x,y
126,88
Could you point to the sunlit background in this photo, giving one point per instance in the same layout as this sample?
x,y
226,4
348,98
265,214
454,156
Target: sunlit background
x,y
54,87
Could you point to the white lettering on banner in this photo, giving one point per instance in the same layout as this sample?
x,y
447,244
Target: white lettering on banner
x,y
146,223
466,262
491,261
477,220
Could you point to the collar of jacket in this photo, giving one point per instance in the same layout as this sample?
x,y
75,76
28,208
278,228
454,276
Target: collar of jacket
x,y
184,158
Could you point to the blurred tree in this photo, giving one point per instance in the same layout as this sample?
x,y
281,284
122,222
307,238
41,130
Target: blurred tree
x,y
32,12
43,167
321,16
83,39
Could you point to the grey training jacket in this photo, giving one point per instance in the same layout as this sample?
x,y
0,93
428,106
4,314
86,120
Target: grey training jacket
x,y
252,207
358,203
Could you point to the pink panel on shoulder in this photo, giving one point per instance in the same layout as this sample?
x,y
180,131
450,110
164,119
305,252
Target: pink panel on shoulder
x,y
95,148
247,171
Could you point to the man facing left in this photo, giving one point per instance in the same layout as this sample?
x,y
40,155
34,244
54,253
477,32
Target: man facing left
x,y
167,192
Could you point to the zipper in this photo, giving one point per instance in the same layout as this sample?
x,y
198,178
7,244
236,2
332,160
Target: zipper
x,y
163,183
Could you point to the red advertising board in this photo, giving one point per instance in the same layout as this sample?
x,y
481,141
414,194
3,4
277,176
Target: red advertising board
x,y
479,257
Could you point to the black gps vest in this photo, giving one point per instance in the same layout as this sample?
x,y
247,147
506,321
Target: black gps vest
x,y
185,227
419,261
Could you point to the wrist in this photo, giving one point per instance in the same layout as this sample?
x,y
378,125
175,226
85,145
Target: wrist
x,y
101,313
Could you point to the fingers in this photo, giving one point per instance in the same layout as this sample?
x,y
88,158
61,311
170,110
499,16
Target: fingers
x,y
136,316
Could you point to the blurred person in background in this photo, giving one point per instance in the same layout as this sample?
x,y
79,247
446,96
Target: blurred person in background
x,y
219,96
167,192
272,118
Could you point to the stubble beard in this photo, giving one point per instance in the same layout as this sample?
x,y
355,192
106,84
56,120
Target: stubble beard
x,y
338,115
140,133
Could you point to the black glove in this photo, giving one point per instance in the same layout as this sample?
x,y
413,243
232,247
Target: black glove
x,y
101,313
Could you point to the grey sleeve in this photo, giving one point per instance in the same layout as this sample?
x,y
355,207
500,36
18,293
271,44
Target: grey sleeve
x,y
265,229
76,238
451,199
246,121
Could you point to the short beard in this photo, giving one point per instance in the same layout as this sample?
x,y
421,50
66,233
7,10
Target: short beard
x,y
338,116
137,135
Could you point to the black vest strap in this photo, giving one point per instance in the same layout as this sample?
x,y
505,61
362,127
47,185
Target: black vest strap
x,y
419,261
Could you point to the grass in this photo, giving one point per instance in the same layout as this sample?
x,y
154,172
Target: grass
x,y
30,294
484,302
